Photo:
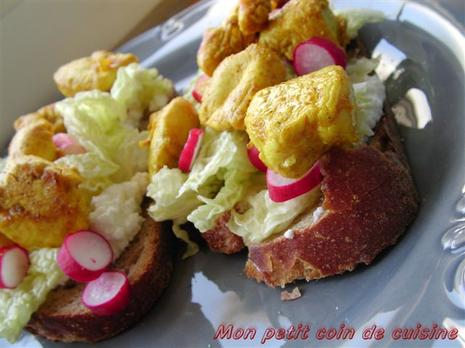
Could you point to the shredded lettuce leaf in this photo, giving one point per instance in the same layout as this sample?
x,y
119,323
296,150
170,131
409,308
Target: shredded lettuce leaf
x,y
264,218
236,184
218,180
369,93
139,90
357,18
17,305
170,204
95,119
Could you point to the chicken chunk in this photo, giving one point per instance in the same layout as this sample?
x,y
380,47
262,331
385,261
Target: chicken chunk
x,y
234,84
294,123
169,129
40,202
5,242
219,43
48,113
298,21
95,72
34,138
253,15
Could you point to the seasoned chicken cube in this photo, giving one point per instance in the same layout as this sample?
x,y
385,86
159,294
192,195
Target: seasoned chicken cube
x,y
298,21
235,82
48,113
5,242
294,123
253,15
95,72
34,138
219,43
40,202
169,129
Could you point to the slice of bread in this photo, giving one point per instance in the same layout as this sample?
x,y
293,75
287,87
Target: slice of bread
x,y
148,263
369,200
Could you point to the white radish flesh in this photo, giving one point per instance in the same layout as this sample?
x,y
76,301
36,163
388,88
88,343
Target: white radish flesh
x,y
316,53
282,189
191,149
108,294
254,158
84,255
67,144
14,263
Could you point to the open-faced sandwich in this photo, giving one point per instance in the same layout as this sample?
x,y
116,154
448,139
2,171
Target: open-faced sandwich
x,y
80,260
290,151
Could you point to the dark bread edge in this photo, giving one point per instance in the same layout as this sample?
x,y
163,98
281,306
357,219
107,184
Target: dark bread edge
x,y
148,262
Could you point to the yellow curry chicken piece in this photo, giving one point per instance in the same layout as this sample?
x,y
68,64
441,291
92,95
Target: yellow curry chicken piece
x,y
5,242
48,113
220,42
294,123
40,202
95,72
169,129
301,20
34,138
235,82
34,133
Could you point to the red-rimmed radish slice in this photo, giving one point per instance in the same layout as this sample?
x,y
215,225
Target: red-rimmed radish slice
x,y
84,255
67,144
108,294
190,149
14,263
316,53
199,87
282,189
254,158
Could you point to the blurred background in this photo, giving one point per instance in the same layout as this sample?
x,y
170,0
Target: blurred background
x,y
37,36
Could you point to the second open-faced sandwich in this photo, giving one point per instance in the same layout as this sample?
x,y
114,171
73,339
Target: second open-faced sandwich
x,y
288,149
80,260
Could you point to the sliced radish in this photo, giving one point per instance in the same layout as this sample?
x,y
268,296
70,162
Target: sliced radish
x,y
191,149
108,294
282,189
199,87
84,255
316,53
67,144
14,263
254,158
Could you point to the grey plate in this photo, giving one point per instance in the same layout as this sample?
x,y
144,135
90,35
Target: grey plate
x,y
421,280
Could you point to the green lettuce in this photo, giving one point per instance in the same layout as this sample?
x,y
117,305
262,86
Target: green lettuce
x,y
17,305
357,18
265,218
369,93
95,119
219,179
139,90
170,204
236,186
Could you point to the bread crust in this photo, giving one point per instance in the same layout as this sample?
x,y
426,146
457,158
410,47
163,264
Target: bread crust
x,y
220,239
148,262
369,199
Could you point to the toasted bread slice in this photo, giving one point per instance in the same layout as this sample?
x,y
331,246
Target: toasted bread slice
x,y
369,198
220,239
148,263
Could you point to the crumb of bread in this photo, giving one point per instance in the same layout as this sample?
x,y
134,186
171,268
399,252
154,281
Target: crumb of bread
x,y
289,234
289,296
